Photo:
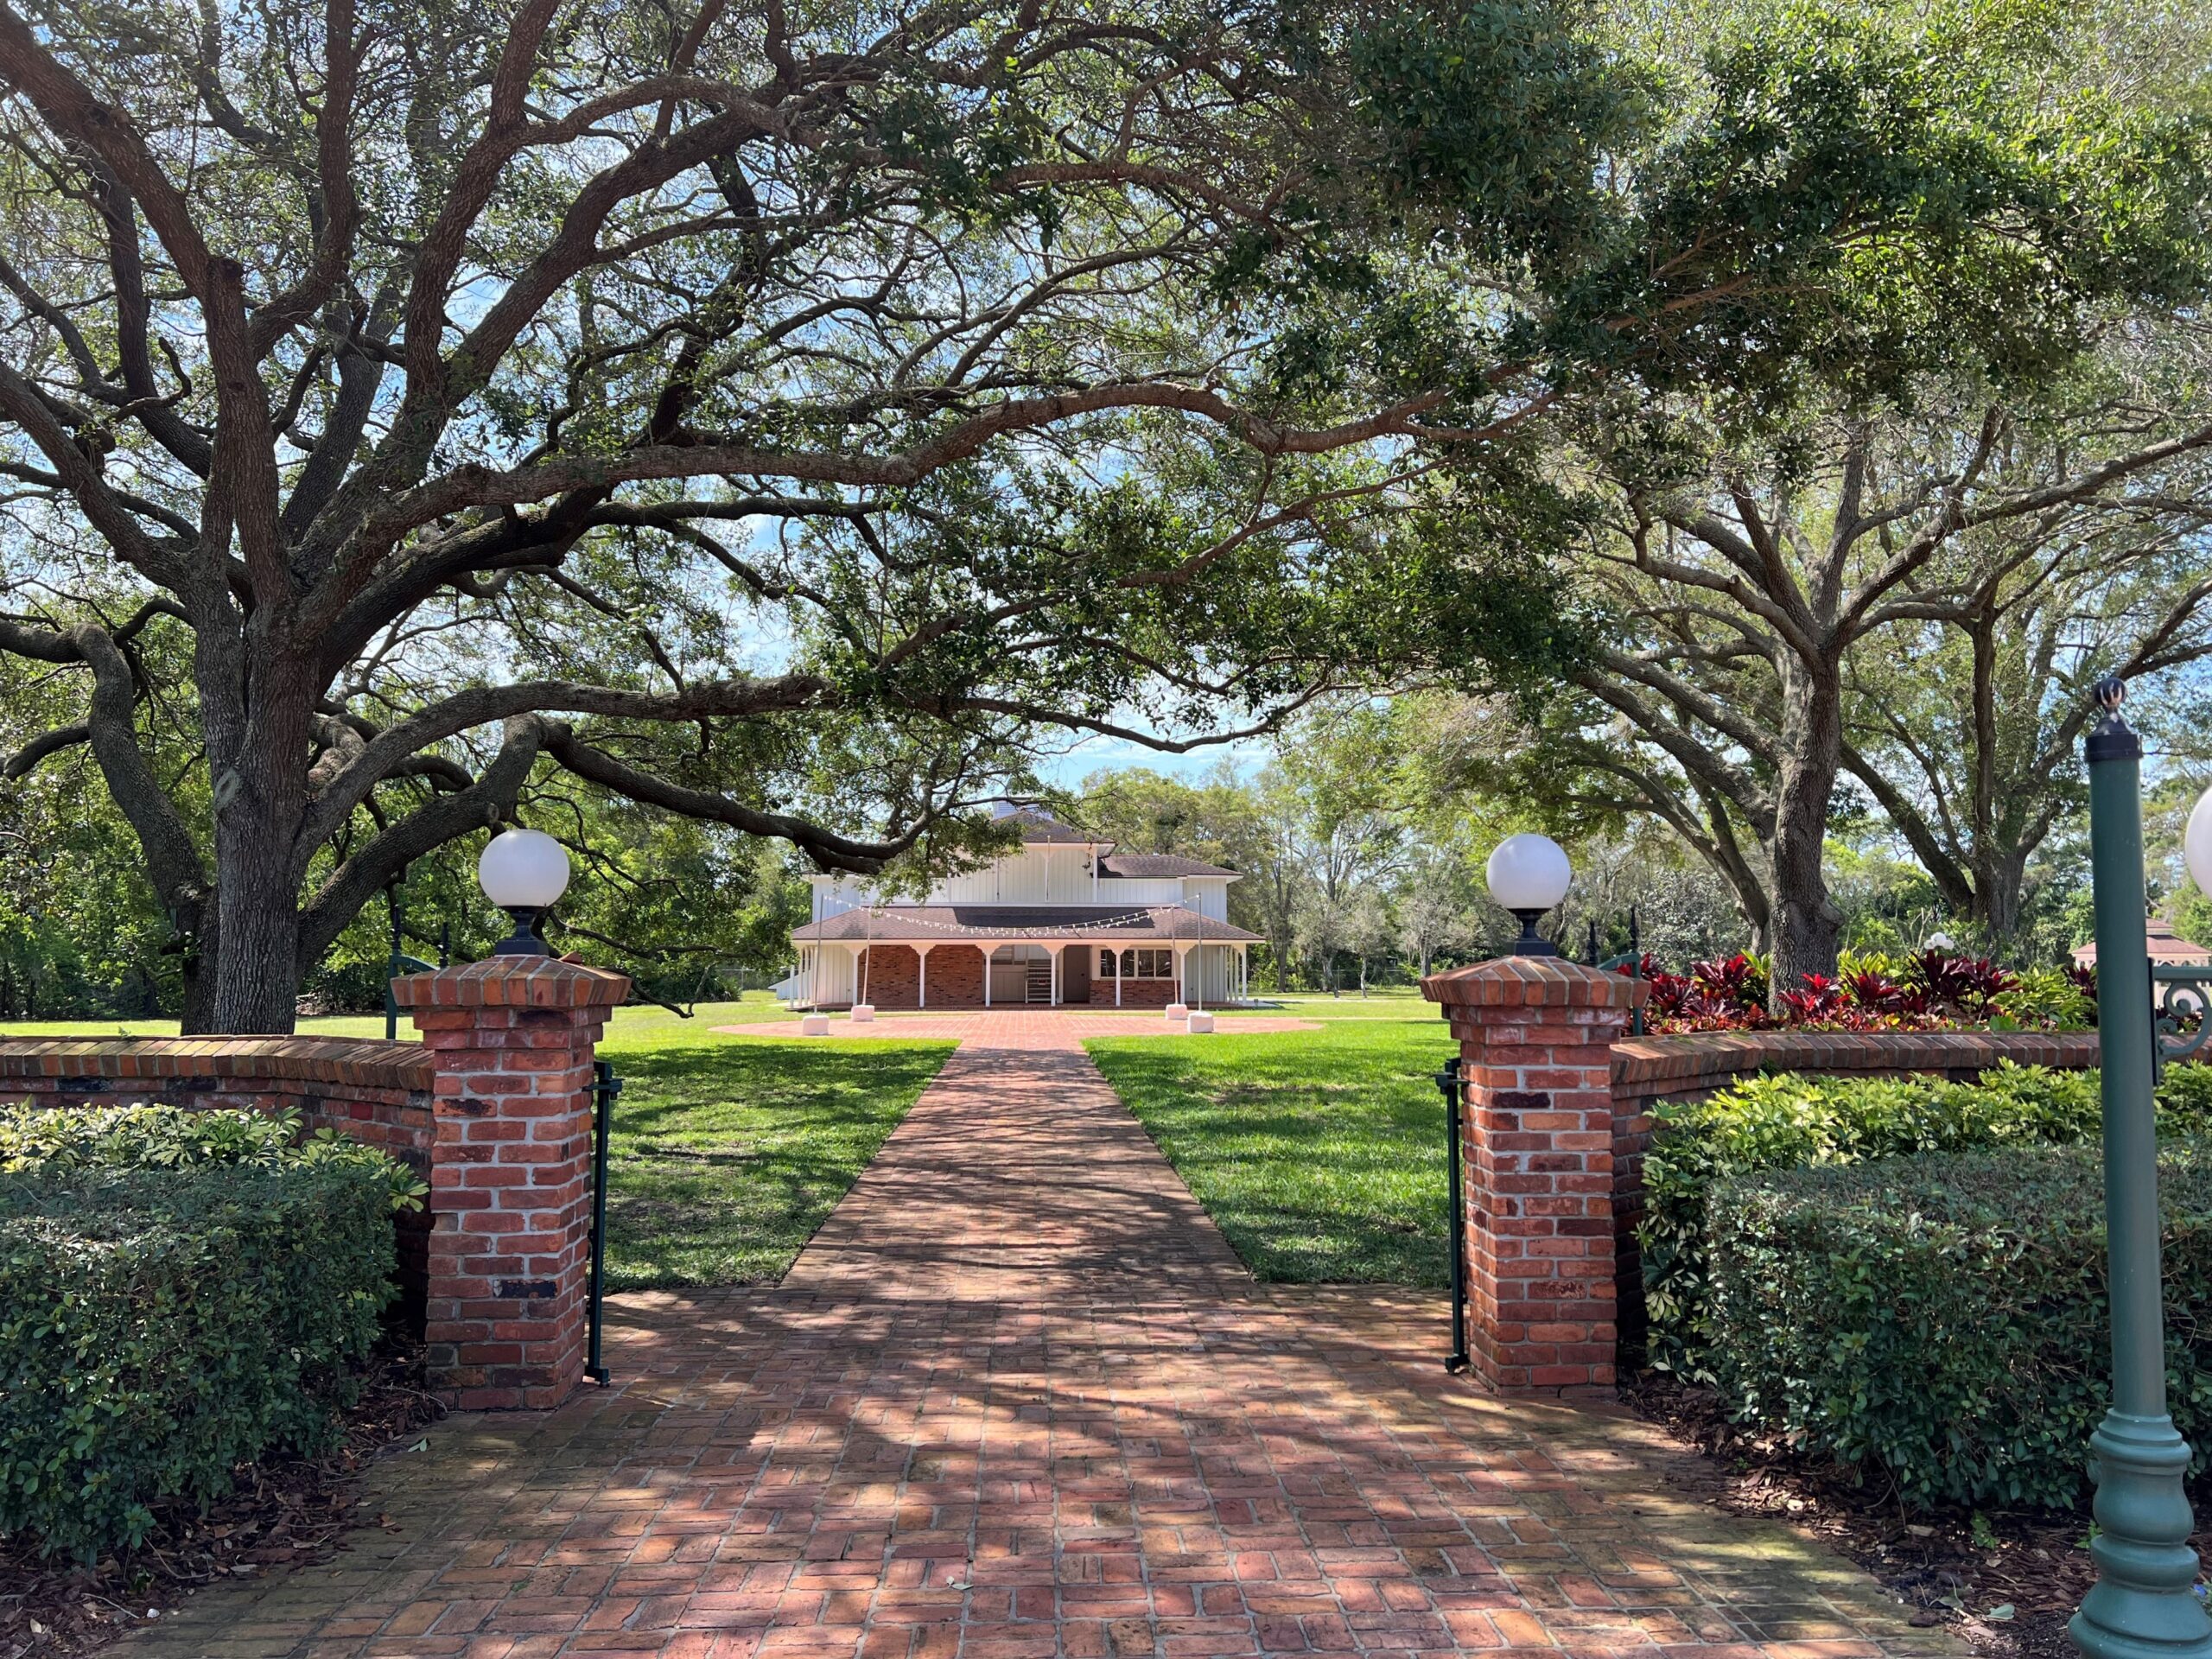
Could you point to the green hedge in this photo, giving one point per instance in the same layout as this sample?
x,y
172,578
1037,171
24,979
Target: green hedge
x,y
161,1325
1943,1321
1792,1121
151,1136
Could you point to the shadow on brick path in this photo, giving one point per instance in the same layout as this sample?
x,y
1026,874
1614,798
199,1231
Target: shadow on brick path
x,y
1019,1399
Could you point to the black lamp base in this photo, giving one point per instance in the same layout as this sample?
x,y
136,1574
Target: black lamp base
x,y
524,942
1531,943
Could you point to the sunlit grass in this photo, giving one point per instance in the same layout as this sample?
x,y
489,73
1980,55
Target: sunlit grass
x,y
727,1153
1320,1153
642,1022
1399,1002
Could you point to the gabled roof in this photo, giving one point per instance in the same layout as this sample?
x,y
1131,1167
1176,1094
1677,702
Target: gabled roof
x,y
1159,864
1038,825
888,924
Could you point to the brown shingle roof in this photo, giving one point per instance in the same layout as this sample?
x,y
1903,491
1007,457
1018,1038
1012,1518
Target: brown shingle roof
x,y
2166,945
1037,825
1119,923
1158,864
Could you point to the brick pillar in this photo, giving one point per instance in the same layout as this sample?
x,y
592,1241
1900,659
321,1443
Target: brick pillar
x,y
1535,1039
512,1039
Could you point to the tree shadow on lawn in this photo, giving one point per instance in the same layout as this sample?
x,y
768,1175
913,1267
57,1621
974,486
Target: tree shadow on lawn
x,y
725,1155
1319,1154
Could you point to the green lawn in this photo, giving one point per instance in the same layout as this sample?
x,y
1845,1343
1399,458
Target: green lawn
x,y
1320,1153
1399,1002
645,1020
728,1152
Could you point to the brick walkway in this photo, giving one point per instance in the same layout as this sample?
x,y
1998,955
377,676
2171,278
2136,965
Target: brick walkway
x,y
1019,1400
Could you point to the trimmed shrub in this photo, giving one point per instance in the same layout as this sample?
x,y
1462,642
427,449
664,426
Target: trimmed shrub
x,y
1791,1120
1943,1321
160,1325
35,1139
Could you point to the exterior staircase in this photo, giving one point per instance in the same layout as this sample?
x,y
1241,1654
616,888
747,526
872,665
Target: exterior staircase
x,y
1040,982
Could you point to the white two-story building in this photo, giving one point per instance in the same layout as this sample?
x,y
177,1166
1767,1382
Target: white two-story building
x,y
1065,920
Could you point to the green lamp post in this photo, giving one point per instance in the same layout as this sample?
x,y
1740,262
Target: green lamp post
x,y
2143,1605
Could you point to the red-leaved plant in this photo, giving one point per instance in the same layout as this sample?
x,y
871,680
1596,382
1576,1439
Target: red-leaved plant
x,y
1729,994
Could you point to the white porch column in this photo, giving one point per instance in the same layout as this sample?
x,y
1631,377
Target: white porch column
x,y
922,975
1052,955
988,947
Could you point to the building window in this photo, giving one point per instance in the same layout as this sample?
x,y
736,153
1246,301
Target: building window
x,y
1137,964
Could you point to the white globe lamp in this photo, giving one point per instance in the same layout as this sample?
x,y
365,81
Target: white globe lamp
x,y
523,872
1528,875
2196,843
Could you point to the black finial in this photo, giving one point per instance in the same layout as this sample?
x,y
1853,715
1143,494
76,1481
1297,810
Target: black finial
x,y
2113,738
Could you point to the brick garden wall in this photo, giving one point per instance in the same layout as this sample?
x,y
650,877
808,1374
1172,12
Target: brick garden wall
x,y
1557,1120
374,1091
494,1108
1649,1072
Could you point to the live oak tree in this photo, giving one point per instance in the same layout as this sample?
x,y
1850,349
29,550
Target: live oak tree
x,y
734,408
1918,602
1924,477
774,415
1965,727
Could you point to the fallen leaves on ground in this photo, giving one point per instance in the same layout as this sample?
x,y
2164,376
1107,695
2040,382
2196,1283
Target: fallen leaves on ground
x,y
281,1512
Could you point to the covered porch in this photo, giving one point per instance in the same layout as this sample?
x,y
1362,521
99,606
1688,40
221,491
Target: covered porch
x,y
986,972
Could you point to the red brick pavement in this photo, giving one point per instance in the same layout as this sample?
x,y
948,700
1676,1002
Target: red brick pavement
x,y
1019,1176
950,1435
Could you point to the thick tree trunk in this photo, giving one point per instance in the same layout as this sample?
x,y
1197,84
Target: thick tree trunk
x,y
1805,924
200,954
261,795
1997,887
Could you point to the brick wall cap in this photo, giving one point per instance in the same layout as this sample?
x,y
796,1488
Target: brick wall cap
x,y
512,982
366,1063
1533,982
1693,1056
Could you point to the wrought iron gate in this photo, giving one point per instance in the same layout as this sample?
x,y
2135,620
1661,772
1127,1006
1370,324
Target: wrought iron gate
x,y
605,1087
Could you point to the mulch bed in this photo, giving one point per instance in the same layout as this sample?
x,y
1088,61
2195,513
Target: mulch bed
x,y
281,1511
2007,1580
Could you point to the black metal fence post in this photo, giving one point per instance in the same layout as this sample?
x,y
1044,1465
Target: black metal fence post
x,y
1448,1084
605,1086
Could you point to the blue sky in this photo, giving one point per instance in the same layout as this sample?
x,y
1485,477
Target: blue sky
x,y
1068,770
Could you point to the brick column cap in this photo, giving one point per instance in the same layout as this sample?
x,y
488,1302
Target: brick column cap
x,y
1533,982
512,982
